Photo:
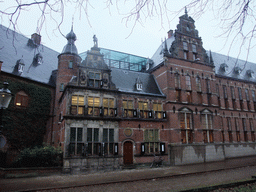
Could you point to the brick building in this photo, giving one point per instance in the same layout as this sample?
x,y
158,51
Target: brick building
x,y
185,104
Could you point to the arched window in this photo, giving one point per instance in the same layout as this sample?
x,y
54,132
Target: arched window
x,y
206,123
185,119
188,82
177,80
198,84
21,99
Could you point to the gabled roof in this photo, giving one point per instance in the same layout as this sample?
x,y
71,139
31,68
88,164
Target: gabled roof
x,y
125,81
14,46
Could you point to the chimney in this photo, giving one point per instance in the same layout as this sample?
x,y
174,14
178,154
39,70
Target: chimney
x,y
1,62
36,38
170,33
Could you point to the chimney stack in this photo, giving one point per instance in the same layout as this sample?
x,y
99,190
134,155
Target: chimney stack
x,y
170,33
36,38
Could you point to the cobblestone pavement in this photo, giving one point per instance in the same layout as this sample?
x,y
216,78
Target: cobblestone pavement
x,y
172,183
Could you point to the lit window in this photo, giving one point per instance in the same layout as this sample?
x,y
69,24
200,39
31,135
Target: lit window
x,y
21,99
158,109
128,108
108,105
143,107
77,105
94,106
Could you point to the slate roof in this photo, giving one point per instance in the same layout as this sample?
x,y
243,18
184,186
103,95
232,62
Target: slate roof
x,y
125,81
14,46
235,68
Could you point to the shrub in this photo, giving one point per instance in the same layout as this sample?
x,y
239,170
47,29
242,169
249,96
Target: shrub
x,y
43,156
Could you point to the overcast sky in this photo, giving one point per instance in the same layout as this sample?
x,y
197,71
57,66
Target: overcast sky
x,y
113,32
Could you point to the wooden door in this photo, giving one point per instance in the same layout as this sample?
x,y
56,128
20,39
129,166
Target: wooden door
x,y
128,153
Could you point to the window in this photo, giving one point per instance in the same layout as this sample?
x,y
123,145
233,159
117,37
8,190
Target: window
x,y
194,48
94,79
185,54
232,92
200,98
128,108
178,95
245,129
206,118
62,87
70,64
189,96
108,140
177,80
185,46
240,93
76,141
158,109
21,99
185,118
209,98
94,146
208,86
222,130
77,105
198,84
139,86
94,106
229,129
143,107
225,91
151,139
247,94
251,124
253,95
188,82
108,105
238,137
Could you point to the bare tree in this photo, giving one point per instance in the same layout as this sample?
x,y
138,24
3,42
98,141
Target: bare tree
x,y
237,18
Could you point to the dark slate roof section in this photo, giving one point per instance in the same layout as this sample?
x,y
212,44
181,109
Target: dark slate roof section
x,y
125,81
232,68
158,55
14,46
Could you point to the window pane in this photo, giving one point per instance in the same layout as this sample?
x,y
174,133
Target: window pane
x,y
79,134
111,135
96,134
140,105
91,75
97,76
90,101
89,134
74,99
105,135
155,107
130,105
145,106
79,148
111,103
182,121
105,102
96,102
188,121
125,104
80,110
72,134
81,100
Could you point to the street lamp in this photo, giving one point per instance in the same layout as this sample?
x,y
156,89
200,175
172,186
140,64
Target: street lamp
x,y
5,98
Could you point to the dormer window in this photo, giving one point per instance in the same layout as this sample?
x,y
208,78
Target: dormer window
x,y
139,87
250,73
223,67
38,59
21,67
237,70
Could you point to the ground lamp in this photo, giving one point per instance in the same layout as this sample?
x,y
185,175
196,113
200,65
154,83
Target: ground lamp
x,y
5,98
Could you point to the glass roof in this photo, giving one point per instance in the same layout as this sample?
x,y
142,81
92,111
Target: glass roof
x,y
121,60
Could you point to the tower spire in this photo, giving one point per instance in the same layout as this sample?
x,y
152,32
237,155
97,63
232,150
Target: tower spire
x,y
186,11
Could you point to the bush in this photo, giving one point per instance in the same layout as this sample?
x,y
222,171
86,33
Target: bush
x,y
43,156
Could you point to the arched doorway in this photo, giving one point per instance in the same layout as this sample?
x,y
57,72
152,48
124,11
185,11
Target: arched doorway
x,y
128,153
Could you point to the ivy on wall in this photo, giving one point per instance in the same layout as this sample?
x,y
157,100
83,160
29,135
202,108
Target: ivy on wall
x,y
25,127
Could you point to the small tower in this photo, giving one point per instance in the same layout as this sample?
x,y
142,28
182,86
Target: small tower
x,y
68,63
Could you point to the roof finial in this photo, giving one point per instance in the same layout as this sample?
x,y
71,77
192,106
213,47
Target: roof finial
x,y
72,23
186,11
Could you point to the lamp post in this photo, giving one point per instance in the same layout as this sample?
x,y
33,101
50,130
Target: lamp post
x,y
5,98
